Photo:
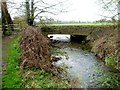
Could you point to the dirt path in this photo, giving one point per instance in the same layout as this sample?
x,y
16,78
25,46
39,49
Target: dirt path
x,y
5,46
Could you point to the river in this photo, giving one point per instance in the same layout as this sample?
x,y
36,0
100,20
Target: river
x,y
84,69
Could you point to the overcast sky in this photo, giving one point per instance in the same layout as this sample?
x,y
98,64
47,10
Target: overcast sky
x,y
81,10
78,10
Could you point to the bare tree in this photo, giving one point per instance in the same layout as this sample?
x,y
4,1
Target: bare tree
x,y
35,8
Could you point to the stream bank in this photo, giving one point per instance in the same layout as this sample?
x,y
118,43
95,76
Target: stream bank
x,y
105,45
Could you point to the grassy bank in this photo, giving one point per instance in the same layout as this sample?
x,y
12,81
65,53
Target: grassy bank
x,y
11,77
30,78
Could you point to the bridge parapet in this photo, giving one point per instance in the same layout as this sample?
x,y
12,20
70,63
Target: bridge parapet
x,y
77,30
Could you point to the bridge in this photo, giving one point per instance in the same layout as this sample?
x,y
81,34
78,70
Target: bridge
x,y
76,30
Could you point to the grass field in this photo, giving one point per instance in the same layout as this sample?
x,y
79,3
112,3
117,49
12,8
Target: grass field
x,y
82,24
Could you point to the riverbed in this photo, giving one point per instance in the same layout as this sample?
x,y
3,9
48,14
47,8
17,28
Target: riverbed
x,y
84,69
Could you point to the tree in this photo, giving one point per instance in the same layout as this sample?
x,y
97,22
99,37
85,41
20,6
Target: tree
x,y
6,18
33,11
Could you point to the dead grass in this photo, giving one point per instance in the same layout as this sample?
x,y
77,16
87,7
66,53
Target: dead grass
x,y
34,51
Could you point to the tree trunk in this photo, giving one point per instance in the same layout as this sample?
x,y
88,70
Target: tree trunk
x,y
32,12
6,18
4,29
28,12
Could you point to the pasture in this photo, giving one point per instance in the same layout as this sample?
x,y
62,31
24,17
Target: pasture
x,y
80,24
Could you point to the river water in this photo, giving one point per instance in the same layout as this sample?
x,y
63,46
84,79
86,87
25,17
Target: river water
x,y
84,69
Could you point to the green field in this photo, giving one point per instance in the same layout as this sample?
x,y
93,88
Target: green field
x,y
82,24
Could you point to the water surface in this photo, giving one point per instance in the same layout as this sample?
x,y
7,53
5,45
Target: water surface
x,y
85,70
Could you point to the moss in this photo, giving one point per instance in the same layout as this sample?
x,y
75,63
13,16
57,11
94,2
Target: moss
x,y
111,61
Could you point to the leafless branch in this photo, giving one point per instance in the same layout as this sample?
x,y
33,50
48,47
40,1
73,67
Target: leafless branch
x,y
44,9
110,7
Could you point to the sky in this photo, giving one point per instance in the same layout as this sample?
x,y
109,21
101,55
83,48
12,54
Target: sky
x,y
77,10
81,10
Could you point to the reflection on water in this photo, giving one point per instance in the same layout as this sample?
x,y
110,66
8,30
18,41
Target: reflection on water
x,y
84,69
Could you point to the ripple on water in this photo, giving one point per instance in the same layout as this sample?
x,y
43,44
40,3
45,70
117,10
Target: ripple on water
x,y
89,71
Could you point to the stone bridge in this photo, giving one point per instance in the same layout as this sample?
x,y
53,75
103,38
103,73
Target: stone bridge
x,y
77,30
